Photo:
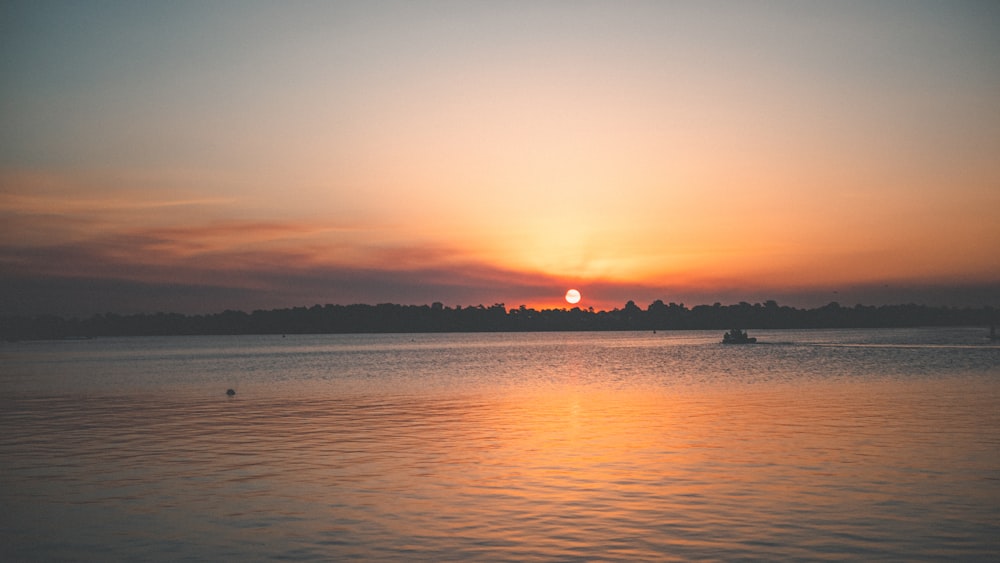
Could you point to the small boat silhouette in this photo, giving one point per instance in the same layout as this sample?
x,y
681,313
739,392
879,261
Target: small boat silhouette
x,y
737,336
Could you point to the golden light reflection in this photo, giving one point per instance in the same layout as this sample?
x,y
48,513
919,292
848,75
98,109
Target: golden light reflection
x,y
568,454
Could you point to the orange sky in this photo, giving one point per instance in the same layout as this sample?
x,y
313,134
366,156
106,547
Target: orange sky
x,y
199,157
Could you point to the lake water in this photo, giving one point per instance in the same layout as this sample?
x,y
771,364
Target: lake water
x,y
837,444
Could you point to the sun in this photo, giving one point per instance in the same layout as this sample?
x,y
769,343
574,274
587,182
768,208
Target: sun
x,y
572,296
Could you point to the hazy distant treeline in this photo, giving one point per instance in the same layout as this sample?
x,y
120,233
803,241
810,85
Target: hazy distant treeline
x,y
438,318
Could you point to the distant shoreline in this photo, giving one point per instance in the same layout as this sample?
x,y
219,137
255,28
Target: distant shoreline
x,y
392,318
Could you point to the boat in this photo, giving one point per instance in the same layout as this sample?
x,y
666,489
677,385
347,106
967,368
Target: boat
x,y
737,336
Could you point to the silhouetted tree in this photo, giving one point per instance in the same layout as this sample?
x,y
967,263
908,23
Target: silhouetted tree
x,y
388,317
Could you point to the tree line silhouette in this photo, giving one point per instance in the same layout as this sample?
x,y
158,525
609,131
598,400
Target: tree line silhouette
x,y
388,317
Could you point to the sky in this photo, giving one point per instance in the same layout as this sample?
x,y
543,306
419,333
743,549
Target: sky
x,y
199,156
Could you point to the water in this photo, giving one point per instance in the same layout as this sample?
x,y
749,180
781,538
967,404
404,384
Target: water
x,y
559,446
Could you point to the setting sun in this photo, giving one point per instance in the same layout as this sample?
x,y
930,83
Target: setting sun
x,y
572,296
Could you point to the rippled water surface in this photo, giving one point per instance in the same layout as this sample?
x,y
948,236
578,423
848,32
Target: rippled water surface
x,y
557,446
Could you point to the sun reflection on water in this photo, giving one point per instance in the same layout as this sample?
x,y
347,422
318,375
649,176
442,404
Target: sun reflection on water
x,y
511,449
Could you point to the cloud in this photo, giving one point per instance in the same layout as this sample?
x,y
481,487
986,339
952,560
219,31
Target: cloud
x,y
77,259
81,280
95,194
264,283
265,264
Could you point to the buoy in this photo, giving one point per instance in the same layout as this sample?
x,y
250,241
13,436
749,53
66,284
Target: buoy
x,y
230,392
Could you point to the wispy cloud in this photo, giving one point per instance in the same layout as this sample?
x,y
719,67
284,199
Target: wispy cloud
x,y
191,249
333,263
